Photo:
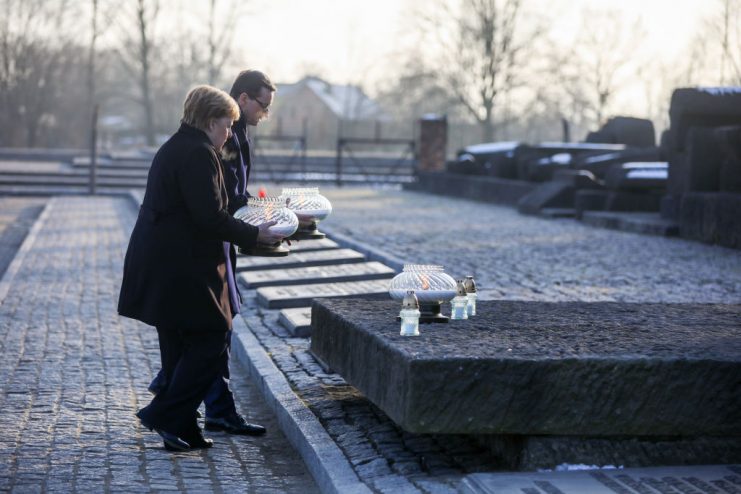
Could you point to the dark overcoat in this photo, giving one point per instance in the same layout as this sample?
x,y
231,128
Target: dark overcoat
x,y
175,267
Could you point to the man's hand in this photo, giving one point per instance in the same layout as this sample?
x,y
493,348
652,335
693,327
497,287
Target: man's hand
x,y
265,236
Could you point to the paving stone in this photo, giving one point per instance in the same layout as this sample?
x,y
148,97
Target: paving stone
x,y
317,274
313,245
301,295
299,259
297,321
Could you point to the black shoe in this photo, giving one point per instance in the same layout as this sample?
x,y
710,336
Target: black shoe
x,y
172,442
233,424
175,443
197,441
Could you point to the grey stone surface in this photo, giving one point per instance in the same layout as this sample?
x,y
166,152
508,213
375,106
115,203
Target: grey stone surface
x,y
281,297
295,260
297,321
74,374
313,245
599,369
703,480
480,188
317,274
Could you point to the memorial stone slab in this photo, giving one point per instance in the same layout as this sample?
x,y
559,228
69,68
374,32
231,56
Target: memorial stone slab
x,y
706,479
280,297
537,368
313,245
297,321
299,259
317,274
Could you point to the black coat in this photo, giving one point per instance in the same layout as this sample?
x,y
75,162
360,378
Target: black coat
x,y
175,268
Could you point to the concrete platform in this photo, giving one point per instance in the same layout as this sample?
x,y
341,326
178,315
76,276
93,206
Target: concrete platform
x,y
537,368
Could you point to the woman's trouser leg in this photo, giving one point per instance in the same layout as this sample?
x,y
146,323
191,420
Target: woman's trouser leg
x,y
191,360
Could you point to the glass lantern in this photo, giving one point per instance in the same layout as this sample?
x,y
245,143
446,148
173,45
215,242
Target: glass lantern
x,y
431,285
310,207
261,209
409,315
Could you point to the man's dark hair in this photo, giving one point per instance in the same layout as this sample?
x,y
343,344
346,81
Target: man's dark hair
x,y
250,82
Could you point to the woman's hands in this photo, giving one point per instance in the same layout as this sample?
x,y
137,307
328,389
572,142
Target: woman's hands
x,y
265,236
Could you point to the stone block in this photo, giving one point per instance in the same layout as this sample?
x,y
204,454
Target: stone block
x,y
702,107
729,138
534,368
313,245
317,274
477,188
711,217
279,297
297,321
555,194
299,259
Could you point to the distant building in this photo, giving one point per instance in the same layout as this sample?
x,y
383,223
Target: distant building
x,y
325,110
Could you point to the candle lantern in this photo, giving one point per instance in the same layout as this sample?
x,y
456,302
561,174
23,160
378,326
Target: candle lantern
x,y
459,304
310,207
261,209
470,286
409,315
431,285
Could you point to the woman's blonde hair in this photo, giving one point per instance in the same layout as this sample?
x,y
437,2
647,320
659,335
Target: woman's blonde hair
x,y
205,103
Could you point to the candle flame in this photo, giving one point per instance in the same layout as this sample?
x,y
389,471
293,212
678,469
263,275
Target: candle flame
x,y
425,282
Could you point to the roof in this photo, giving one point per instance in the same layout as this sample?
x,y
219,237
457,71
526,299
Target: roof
x,y
346,101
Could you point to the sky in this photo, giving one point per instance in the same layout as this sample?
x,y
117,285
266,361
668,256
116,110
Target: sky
x,y
347,40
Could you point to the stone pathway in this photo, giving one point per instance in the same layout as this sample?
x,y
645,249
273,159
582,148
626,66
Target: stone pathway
x,y
73,373
17,215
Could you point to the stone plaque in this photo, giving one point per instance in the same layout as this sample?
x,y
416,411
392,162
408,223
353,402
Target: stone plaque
x,y
695,479
317,274
313,245
298,259
297,321
301,295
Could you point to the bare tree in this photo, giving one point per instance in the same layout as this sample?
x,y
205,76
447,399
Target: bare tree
x,y
601,64
36,56
482,47
135,25
222,23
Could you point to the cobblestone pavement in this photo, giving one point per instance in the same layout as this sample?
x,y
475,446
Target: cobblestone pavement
x,y
73,373
17,215
518,257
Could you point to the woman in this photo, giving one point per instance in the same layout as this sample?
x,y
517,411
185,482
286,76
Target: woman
x,y
177,274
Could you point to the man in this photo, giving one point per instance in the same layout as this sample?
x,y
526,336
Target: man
x,y
253,91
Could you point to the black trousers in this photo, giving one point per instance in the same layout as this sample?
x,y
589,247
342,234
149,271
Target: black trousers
x,y
191,360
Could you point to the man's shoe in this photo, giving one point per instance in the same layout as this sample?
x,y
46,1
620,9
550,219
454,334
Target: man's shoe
x,y
233,424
